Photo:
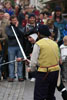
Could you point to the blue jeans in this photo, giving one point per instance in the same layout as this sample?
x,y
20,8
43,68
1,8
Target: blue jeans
x,y
12,53
1,61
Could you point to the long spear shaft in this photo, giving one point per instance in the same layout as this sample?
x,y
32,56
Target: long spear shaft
x,y
7,62
22,51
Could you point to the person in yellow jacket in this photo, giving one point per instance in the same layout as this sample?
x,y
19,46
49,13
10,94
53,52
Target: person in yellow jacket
x,y
46,56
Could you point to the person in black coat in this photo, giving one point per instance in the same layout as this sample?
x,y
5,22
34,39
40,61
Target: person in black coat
x,y
13,48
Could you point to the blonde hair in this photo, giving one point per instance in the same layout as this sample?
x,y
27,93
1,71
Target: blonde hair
x,y
50,22
7,2
65,39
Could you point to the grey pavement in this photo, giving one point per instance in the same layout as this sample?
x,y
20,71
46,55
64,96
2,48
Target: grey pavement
x,y
20,90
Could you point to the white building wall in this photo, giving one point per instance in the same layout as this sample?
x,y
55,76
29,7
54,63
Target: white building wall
x,y
34,2
38,3
1,0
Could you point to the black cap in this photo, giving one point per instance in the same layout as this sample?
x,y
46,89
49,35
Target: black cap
x,y
1,11
44,30
47,13
58,8
32,31
31,15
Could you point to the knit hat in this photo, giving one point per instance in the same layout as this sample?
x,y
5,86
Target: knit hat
x,y
31,15
34,36
58,8
44,30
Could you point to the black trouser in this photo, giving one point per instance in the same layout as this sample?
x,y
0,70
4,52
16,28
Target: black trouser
x,y
32,74
64,93
45,87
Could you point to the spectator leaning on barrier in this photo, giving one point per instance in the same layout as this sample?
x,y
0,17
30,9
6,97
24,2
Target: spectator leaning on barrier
x,y
13,48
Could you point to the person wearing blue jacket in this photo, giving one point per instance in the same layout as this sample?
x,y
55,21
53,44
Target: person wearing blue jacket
x,y
59,22
65,31
8,8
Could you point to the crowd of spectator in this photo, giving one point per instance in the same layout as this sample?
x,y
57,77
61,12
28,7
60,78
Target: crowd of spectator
x,y
26,22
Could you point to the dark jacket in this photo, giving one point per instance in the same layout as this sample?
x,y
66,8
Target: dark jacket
x,y
11,38
55,30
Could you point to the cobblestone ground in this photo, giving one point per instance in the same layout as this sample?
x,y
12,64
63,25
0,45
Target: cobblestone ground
x,y
19,90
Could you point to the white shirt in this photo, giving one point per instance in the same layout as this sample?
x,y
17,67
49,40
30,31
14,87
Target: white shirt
x,y
63,50
34,57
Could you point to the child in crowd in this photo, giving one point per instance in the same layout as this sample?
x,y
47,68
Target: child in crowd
x,y
8,8
63,50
